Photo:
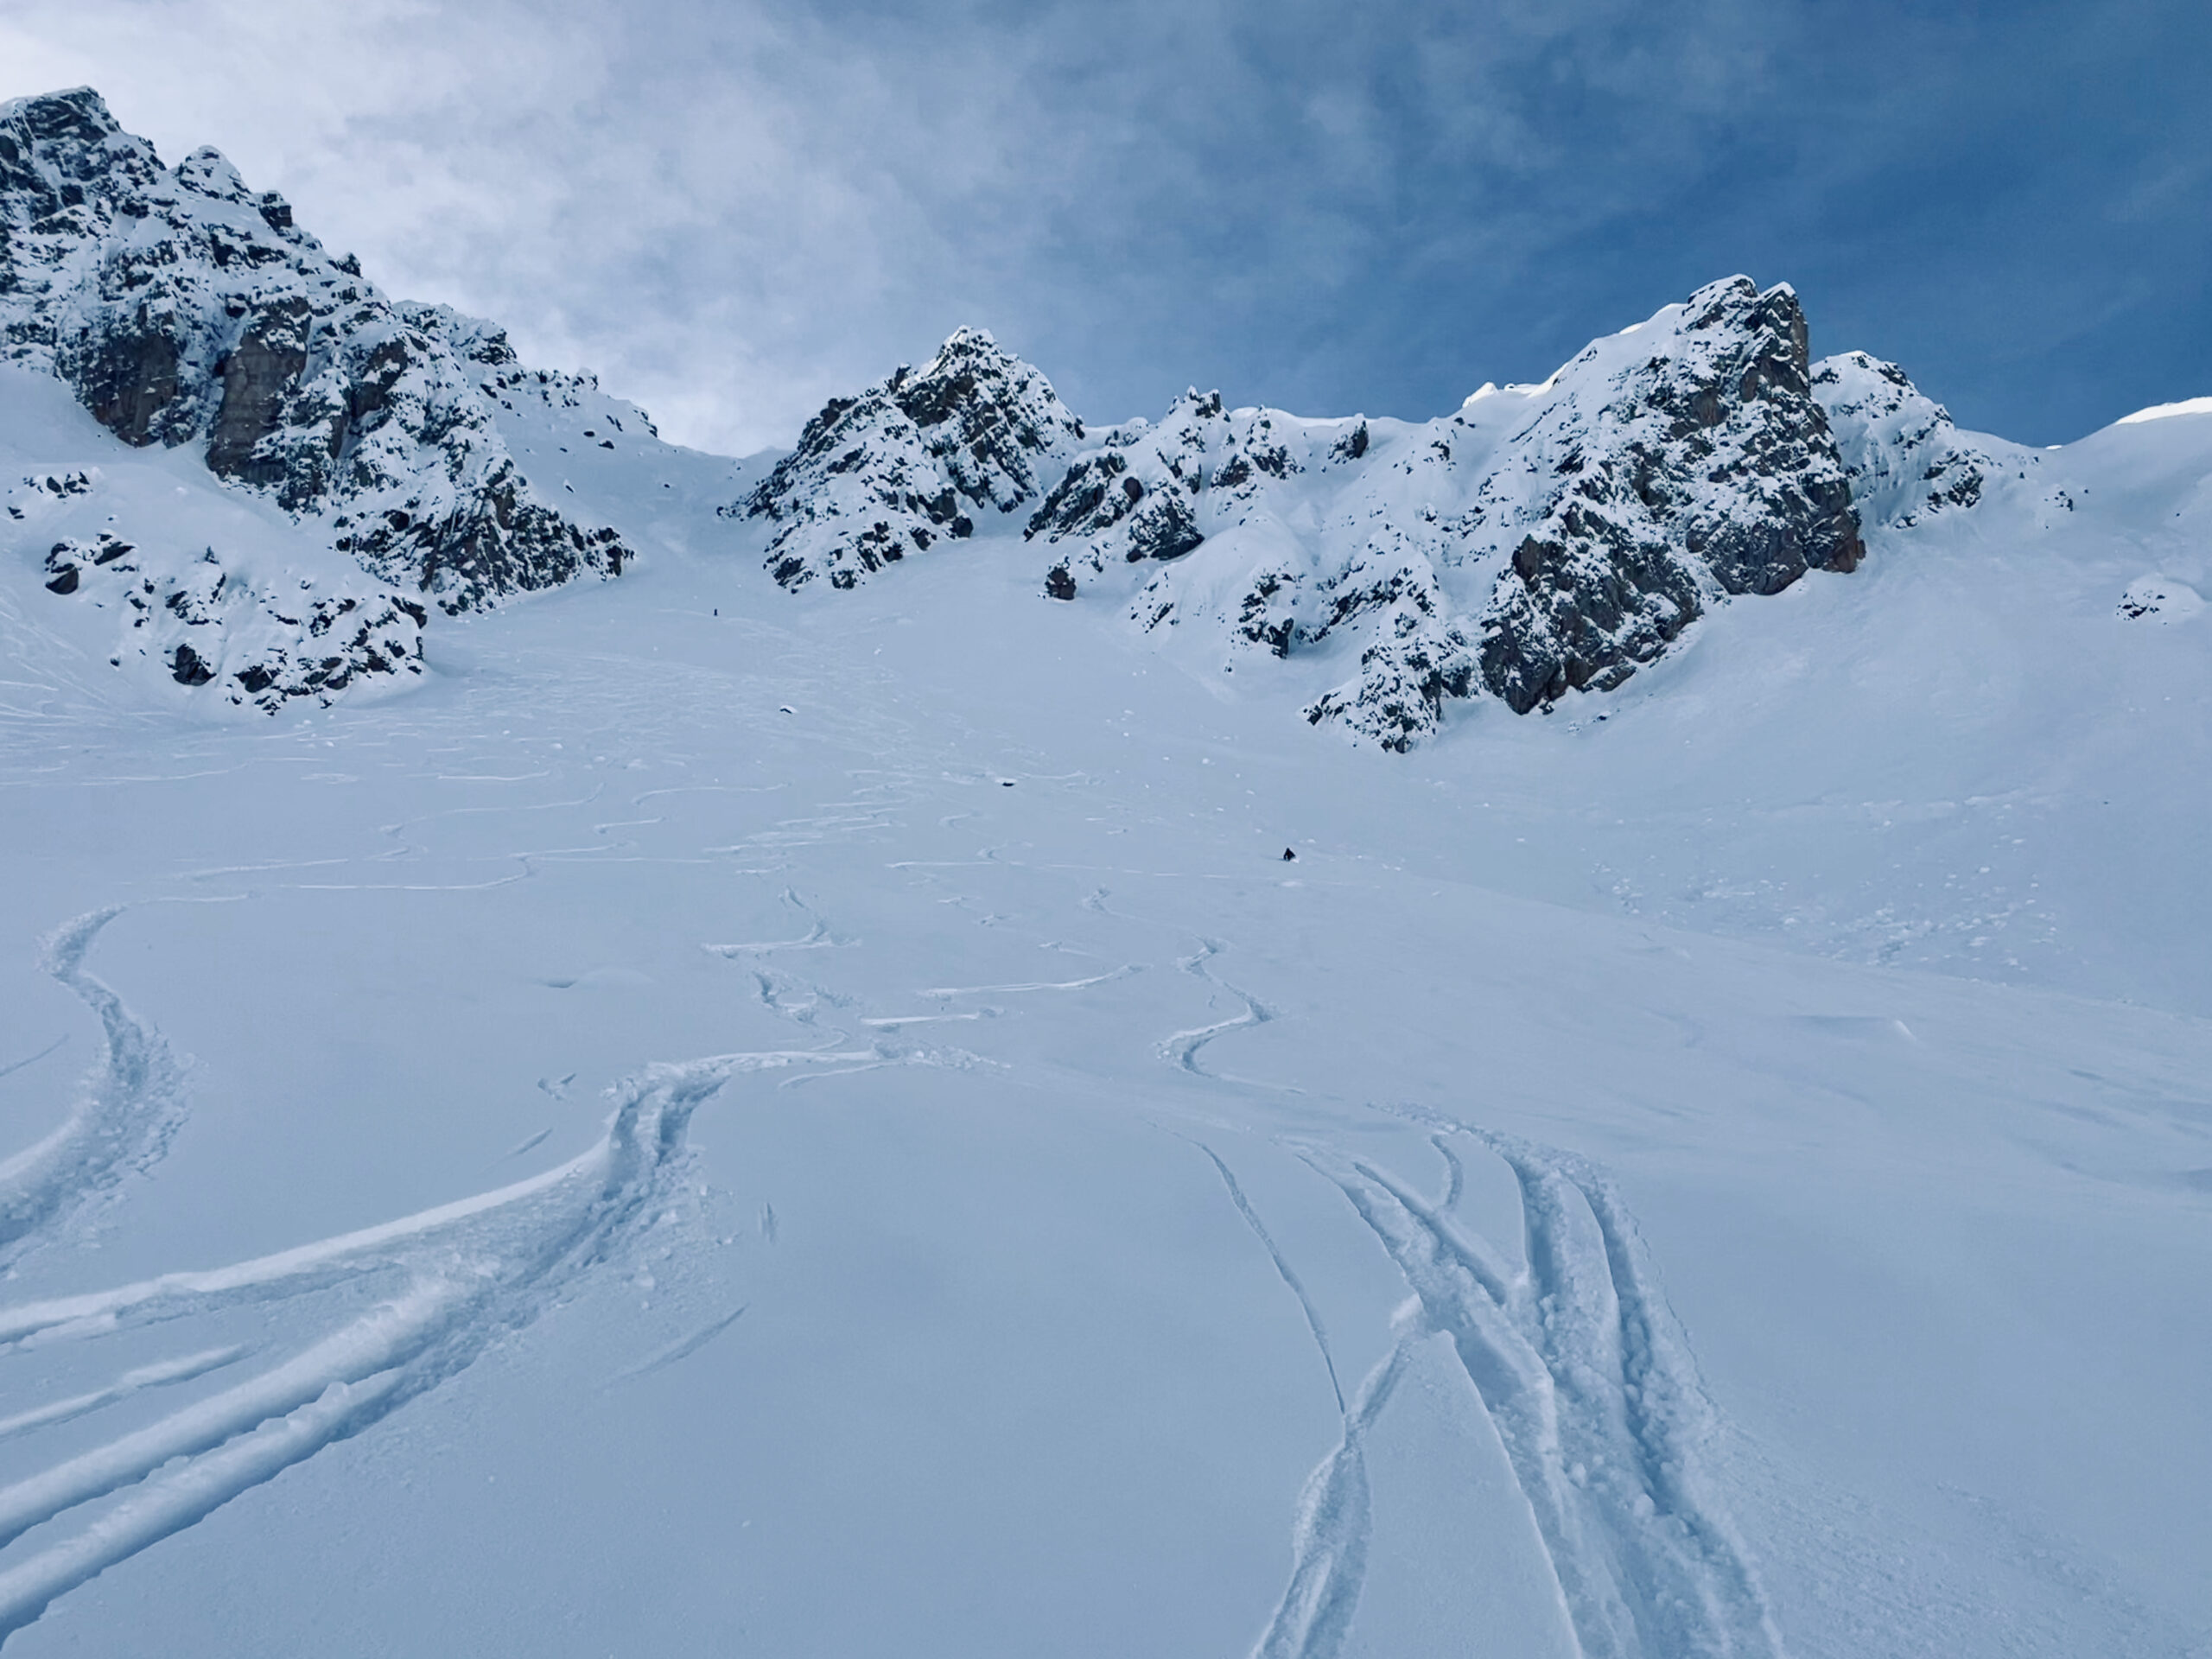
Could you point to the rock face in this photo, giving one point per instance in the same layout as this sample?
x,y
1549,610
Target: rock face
x,y
1701,463
185,308
1543,540
911,462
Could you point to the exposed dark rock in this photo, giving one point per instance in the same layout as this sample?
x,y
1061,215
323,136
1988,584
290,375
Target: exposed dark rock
x,y
898,468
183,307
1707,461
255,377
127,376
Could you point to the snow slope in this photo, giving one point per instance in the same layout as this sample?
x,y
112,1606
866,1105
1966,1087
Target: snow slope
x,y
785,1129
818,1118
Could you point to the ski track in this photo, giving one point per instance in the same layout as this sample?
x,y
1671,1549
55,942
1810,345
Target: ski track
x,y
682,1348
17,1065
1181,1048
1590,1383
1122,972
817,936
158,1375
1329,1539
1582,1368
465,1274
1283,1269
127,1111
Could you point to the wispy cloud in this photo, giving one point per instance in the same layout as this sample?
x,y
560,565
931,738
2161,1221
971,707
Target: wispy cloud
x,y
734,210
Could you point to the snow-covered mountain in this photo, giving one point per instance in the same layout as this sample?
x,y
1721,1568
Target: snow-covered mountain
x,y
1538,543
912,461
186,310
1540,540
810,1102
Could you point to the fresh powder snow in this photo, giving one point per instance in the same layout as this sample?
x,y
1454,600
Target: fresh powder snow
x,y
783,1098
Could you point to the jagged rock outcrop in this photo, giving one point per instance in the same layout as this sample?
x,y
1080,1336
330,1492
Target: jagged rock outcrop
x,y
1906,459
1543,540
1701,463
1134,495
220,623
911,462
184,308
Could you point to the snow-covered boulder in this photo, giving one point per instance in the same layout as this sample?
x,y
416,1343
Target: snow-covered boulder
x,y
184,308
913,461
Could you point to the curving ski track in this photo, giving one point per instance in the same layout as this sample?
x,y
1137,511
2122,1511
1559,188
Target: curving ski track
x,y
465,1273
1181,1048
126,1115
1590,1383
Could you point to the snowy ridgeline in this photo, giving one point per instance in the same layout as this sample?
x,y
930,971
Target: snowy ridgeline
x,y
187,311
1540,541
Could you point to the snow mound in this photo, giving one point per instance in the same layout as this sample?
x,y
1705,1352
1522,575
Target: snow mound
x,y
2160,599
2167,411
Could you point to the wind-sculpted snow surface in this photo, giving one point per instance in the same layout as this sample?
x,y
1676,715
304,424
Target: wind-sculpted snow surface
x,y
184,308
461,1275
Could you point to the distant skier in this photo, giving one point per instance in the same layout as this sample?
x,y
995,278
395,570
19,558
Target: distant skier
x,y
1289,857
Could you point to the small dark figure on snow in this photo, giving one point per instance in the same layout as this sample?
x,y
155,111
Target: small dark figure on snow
x,y
1289,857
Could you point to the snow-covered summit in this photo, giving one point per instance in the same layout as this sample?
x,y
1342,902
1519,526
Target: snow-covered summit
x,y
1906,459
911,461
185,308
1540,540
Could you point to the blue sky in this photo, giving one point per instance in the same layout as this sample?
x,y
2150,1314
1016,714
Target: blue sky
x,y
734,210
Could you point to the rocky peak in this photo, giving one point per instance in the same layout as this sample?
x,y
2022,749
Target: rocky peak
x,y
1545,539
988,416
184,308
1679,462
908,462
